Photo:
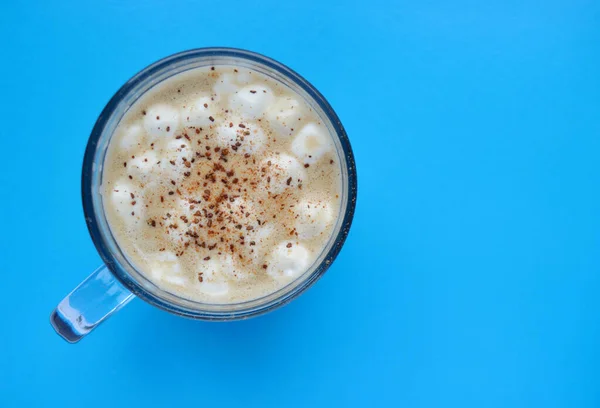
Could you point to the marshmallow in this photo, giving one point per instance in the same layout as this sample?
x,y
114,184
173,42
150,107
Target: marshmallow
x,y
286,263
260,236
124,204
143,165
282,169
172,166
251,101
311,143
254,142
173,215
284,115
183,207
214,274
199,113
165,266
313,217
177,150
176,280
131,137
243,77
251,137
229,271
225,84
161,120
230,83
226,135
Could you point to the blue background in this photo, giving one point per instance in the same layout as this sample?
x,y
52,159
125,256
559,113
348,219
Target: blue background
x,y
471,274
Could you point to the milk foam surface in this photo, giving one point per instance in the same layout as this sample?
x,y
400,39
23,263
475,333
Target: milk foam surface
x,y
221,185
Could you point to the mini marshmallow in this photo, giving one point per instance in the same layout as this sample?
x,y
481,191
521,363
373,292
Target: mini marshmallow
x,y
165,266
173,165
126,201
178,149
311,143
284,115
143,165
251,101
251,137
198,114
172,216
288,261
243,77
226,134
132,137
283,172
313,217
183,207
214,289
224,85
214,273
161,120
260,236
230,271
175,280
254,142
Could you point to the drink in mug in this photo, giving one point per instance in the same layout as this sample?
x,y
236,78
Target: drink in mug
x,y
221,185
217,184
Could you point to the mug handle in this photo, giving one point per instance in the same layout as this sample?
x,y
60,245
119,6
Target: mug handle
x,y
89,304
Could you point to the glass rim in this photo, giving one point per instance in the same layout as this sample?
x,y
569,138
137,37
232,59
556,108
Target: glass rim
x,y
101,240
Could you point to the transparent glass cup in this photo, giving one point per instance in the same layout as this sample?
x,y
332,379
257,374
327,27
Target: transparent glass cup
x,y
117,282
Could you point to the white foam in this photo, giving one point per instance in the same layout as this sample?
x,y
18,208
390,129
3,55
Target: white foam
x,y
225,85
124,204
198,114
254,142
282,168
251,100
229,269
177,150
173,216
173,165
161,120
166,267
132,137
260,236
176,280
251,137
311,143
225,134
214,273
243,77
286,263
143,165
284,115
313,217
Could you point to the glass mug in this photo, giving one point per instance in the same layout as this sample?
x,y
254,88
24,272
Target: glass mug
x,y
117,282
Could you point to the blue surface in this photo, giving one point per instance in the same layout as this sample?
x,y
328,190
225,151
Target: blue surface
x,y
471,277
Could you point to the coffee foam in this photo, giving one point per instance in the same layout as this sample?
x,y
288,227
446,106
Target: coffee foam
x,y
223,174
284,115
